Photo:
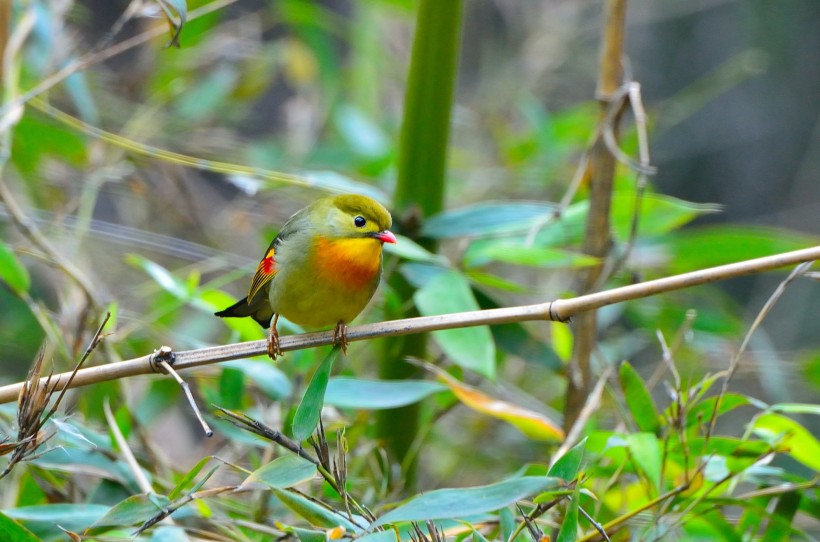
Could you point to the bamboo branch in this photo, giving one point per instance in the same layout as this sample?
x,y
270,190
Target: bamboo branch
x,y
560,310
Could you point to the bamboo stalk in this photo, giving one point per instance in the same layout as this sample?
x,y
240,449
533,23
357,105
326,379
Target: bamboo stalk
x,y
558,310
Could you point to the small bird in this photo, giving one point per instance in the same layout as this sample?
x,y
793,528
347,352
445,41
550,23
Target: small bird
x,y
322,268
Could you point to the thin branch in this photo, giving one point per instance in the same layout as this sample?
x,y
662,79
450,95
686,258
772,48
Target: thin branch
x,y
164,357
799,270
559,310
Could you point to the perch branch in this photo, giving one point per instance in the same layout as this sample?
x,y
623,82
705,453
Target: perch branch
x,y
559,310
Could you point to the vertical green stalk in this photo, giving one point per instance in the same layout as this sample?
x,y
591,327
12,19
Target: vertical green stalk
x,y
419,193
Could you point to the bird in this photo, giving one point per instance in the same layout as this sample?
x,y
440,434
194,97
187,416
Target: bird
x,y
320,270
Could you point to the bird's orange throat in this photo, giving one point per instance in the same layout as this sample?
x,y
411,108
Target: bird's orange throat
x,y
352,263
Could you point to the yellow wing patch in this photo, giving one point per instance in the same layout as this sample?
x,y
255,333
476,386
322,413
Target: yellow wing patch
x,y
264,273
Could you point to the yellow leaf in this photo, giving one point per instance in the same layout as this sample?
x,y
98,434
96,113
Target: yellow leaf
x,y
533,424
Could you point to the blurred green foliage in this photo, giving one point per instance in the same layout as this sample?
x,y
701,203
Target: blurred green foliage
x,y
314,90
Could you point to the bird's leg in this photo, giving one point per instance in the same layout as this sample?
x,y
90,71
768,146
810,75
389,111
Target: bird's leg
x,y
340,336
273,339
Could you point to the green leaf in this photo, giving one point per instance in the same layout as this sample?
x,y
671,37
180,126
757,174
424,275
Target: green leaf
x,y
364,136
709,246
231,387
310,408
787,433
569,465
406,248
569,527
11,531
646,451
780,521
483,252
796,408
164,278
314,513
378,394
281,473
12,272
458,503
659,214
132,511
486,218
471,347
189,476
702,412
638,399
43,519
268,378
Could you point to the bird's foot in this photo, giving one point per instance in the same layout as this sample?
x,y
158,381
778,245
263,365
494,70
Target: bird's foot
x,y
274,349
340,336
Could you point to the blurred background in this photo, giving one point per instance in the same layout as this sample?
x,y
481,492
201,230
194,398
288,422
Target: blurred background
x,y
315,89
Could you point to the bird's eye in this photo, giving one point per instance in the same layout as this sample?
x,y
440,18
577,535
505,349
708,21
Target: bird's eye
x,y
359,221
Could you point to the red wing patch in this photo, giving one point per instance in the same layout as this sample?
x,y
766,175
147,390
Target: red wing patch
x,y
264,273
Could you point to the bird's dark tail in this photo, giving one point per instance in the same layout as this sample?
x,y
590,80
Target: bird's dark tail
x,y
260,312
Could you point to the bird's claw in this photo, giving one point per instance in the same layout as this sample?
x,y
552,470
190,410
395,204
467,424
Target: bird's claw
x,y
274,348
340,336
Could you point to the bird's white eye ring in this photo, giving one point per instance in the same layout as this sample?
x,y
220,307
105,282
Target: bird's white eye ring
x,y
359,221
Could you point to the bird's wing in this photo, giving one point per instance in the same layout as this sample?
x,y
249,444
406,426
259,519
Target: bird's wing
x,y
266,269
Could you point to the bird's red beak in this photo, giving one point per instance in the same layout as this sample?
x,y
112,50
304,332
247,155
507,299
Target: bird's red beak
x,y
385,236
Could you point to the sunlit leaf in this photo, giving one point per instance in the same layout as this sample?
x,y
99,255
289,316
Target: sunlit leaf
x,y
646,450
470,347
459,503
12,272
533,424
281,473
348,392
310,408
638,399
188,478
789,434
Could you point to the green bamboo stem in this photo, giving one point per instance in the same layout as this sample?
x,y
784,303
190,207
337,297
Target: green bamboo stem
x,y
419,192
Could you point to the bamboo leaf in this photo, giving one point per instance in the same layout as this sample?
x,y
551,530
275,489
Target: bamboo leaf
x,y
310,408
459,503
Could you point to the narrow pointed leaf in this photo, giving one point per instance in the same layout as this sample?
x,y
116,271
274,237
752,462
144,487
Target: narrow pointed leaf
x,y
458,503
133,510
12,272
533,424
14,532
314,513
569,465
789,435
310,409
378,394
281,473
638,399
